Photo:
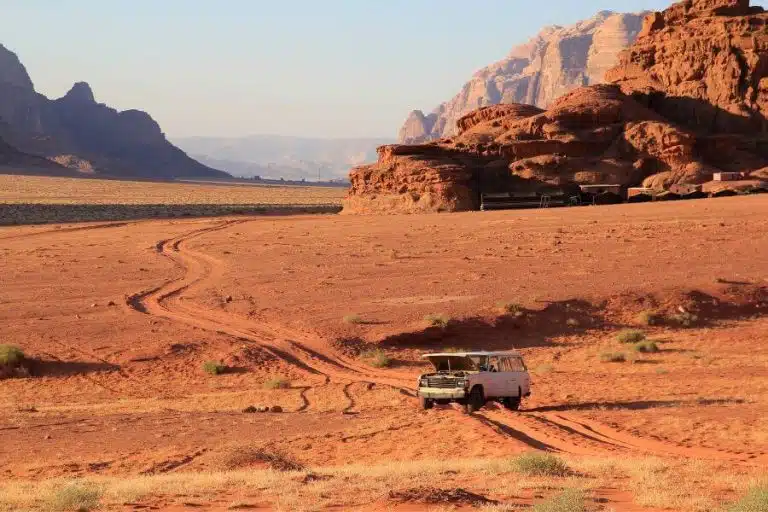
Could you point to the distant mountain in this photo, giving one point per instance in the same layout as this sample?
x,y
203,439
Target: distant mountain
x,y
554,62
84,135
274,156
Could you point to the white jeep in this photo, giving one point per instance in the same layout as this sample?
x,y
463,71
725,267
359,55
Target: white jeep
x,y
474,378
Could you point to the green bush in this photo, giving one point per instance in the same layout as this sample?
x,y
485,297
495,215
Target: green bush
x,y
613,357
630,336
10,356
648,318
570,500
646,347
540,464
377,358
277,383
756,500
75,497
214,368
442,321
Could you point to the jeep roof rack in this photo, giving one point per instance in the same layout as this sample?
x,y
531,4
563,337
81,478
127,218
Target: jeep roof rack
x,y
470,354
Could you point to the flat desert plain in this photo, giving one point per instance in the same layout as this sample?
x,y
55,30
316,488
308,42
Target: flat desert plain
x,y
326,317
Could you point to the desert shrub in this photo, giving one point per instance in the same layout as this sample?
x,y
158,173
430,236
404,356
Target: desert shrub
x,y
453,350
685,319
648,318
540,464
75,497
353,319
274,459
544,369
377,358
10,356
214,368
630,336
277,383
441,321
613,357
510,308
572,322
646,347
756,500
570,500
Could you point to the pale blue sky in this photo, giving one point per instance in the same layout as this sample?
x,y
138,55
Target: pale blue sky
x,y
325,68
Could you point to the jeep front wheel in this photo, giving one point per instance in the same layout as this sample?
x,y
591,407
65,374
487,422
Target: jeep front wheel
x,y
426,403
475,401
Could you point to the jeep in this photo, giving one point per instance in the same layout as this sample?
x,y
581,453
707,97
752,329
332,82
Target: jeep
x,y
474,378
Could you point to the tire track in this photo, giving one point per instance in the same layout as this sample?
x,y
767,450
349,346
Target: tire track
x,y
545,431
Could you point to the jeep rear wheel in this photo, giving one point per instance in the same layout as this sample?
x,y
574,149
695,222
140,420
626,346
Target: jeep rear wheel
x,y
426,403
475,401
512,403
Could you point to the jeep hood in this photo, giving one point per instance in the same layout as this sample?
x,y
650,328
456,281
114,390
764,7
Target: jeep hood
x,y
453,363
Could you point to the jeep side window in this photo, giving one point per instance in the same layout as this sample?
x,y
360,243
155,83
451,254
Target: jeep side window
x,y
506,364
493,364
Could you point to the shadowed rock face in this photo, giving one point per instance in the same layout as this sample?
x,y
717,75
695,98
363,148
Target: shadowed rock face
x,y
688,99
554,62
75,128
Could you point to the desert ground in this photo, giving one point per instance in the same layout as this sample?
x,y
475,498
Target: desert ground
x,y
51,200
119,320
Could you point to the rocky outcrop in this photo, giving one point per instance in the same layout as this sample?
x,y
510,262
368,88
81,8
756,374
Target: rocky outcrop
x,y
80,133
554,62
688,100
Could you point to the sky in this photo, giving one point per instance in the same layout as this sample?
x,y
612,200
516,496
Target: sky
x,y
318,68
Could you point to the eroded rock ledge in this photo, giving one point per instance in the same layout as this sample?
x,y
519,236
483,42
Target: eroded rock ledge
x,y
688,99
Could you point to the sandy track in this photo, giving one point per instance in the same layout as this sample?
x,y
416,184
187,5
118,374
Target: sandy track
x,y
539,430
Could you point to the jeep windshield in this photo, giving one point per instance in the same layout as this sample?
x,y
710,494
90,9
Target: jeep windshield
x,y
456,363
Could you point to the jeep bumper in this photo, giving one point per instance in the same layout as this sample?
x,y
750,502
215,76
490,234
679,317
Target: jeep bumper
x,y
442,394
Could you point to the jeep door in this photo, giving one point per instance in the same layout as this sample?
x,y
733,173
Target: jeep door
x,y
522,379
511,378
497,378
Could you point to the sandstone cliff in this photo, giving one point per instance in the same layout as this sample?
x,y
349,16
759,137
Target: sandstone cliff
x,y
77,130
554,62
688,99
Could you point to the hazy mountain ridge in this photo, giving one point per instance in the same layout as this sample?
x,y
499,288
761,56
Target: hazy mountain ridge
x,y
275,156
75,128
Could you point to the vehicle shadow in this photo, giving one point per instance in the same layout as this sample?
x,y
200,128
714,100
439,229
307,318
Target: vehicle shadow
x,y
53,368
522,328
635,405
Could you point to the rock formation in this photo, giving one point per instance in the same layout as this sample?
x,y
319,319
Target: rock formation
x,y
554,62
77,131
686,100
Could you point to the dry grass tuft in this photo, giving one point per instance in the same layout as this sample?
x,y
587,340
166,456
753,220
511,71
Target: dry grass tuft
x,y
649,318
613,357
570,500
277,383
271,458
376,358
630,336
646,347
756,500
540,464
442,321
510,308
75,497
353,320
214,368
